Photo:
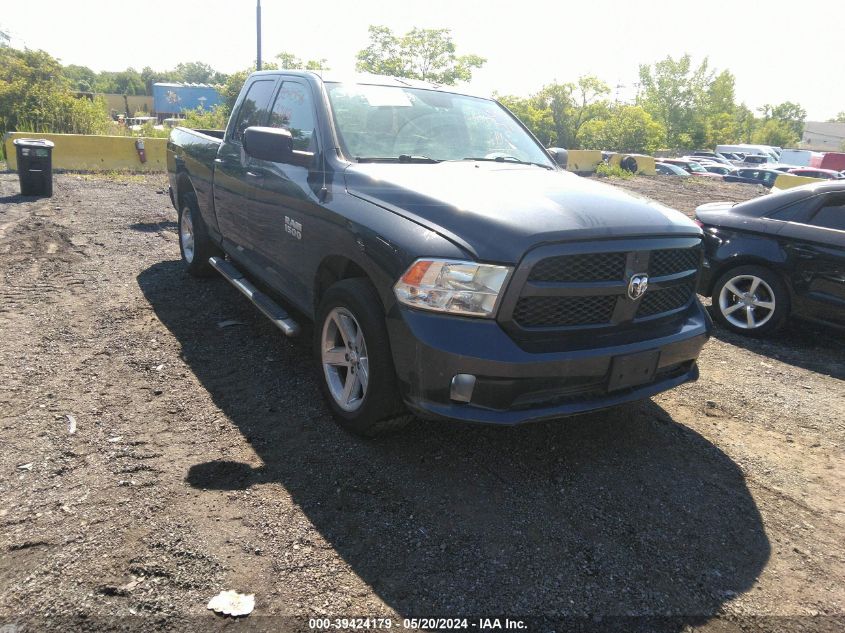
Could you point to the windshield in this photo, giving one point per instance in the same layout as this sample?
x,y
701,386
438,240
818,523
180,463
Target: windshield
x,y
386,122
696,167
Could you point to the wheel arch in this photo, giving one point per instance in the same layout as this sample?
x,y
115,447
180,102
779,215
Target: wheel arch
x,y
334,268
748,260
184,186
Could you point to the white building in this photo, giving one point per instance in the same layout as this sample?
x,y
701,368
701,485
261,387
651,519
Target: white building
x,y
823,136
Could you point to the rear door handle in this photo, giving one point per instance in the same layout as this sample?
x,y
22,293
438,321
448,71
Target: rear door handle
x,y
254,174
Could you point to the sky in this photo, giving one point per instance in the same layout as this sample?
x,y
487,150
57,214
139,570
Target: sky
x,y
778,50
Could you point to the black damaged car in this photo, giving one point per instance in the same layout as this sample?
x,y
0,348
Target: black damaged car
x,y
774,257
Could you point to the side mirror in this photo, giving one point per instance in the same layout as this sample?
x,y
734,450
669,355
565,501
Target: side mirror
x,y
269,143
559,155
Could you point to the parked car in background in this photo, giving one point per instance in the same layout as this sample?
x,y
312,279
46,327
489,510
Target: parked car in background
x,y
711,156
690,166
746,149
722,170
666,169
776,256
810,172
758,159
765,177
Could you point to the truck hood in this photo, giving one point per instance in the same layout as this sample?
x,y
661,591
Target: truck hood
x,y
499,211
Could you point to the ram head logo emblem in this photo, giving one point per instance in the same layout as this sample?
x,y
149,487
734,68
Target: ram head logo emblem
x,y
637,286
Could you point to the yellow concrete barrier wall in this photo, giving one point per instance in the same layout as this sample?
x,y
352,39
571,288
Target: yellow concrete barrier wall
x,y
788,181
645,164
95,153
583,160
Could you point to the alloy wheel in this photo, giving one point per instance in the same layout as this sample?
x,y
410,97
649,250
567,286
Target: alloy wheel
x,y
346,365
186,235
747,302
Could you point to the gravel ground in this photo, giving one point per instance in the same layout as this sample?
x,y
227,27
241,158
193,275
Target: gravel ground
x,y
203,459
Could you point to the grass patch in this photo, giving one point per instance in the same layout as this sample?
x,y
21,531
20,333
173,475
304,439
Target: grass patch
x,y
613,171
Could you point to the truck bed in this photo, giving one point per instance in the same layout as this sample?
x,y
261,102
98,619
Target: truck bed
x,y
193,152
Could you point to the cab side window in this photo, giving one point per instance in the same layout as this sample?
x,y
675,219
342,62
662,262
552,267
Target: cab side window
x,y
831,215
294,111
253,108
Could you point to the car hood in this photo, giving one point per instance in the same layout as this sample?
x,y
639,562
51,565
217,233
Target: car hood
x,y
499,211
712,210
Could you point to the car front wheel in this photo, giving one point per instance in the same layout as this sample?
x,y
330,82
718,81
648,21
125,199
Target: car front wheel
x,y
354,361
750,300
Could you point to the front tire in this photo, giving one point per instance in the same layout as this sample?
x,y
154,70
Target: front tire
x,y
751,300
195,245
355,367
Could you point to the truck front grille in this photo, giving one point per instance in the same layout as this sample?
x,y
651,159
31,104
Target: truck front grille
x,y
672,261
555,290
556,311
664,300
586,267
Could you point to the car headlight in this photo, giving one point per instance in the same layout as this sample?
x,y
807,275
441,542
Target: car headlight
x,y
456,287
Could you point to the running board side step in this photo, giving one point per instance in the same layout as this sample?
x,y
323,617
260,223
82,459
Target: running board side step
x,y
272,310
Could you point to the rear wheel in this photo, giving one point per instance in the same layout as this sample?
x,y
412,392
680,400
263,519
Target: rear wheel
x,y
750,300
354,362
194,242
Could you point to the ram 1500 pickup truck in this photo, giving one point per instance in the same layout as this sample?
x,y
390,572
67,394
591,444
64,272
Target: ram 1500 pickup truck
x,y
452,268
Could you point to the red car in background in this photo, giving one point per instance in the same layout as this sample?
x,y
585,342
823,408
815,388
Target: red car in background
x,y
812,172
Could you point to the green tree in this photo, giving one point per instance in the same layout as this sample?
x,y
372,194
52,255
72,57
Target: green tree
x,y
533,113
745,123
557,112
124,82
36,96
196,73
289,61
788,113
775,132
150,77
627,129
424,54
675,93
839,118
80,78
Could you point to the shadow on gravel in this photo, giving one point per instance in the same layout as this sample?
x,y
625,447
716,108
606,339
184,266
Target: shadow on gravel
x,y
17,198
154,227
621,513
802,344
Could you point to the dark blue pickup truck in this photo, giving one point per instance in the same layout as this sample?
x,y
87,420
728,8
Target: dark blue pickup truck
x,y
452,268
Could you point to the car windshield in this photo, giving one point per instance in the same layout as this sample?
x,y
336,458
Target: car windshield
x,y
696,167
403,124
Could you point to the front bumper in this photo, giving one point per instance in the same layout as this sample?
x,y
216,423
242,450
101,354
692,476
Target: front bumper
x,y
514,385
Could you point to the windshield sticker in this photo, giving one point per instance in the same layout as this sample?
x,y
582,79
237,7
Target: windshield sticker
x,y
379,96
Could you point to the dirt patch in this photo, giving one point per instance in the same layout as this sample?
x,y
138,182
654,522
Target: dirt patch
x,y
203,460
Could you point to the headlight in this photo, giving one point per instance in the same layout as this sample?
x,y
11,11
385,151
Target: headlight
x,y
456,287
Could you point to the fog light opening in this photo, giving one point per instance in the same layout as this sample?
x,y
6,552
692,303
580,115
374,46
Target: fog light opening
x,y
462,386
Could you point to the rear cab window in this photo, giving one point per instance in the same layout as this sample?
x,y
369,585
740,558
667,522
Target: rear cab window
x,y
253,108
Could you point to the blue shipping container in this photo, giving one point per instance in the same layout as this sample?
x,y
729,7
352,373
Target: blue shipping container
x,y
175,98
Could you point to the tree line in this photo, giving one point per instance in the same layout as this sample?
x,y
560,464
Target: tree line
x,y
679,104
